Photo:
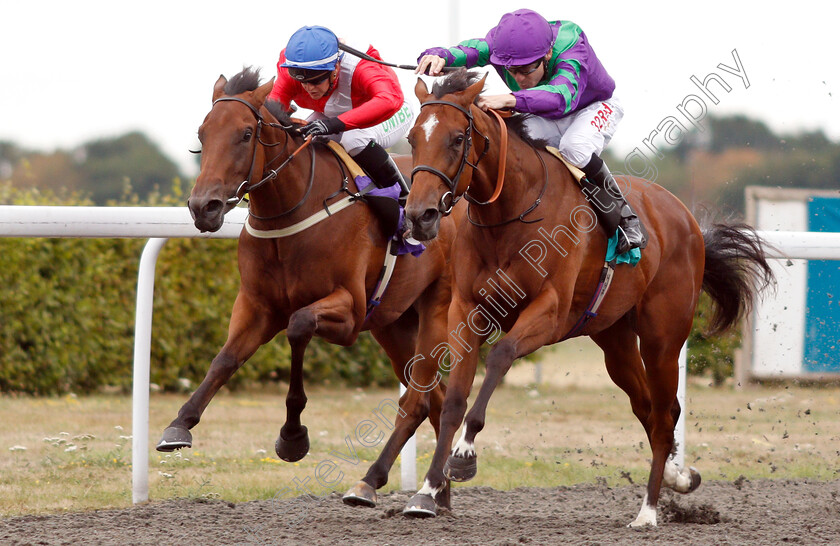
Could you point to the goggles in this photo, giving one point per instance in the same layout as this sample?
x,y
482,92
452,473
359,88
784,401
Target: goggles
x,y
311,77
524,70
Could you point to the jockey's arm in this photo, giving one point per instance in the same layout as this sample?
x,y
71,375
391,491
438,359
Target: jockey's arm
x,y
496,102
469,54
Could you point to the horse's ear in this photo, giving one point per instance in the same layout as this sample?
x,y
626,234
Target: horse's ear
x,y
421,90
219,87
262,92
474,90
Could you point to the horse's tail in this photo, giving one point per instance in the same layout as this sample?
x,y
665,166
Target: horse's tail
x,y
736,271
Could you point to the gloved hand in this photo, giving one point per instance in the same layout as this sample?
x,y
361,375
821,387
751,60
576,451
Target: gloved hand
x,y
320,127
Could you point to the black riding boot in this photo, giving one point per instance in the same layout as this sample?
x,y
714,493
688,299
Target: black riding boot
x,y
381,167
610,206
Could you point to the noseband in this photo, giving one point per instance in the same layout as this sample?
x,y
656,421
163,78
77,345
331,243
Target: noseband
x,y
452,183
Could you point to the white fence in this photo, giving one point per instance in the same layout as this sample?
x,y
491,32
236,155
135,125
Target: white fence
x,y
162,223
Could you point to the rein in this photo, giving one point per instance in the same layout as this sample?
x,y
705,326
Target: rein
x,y
530,209
500,176
246,186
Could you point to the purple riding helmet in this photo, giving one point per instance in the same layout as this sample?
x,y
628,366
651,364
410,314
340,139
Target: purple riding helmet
x,y
520,38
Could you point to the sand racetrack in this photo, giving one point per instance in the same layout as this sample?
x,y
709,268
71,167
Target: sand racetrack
x,y
739,512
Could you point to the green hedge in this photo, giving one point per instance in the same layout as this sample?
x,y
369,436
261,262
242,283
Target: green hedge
x,y
713,356
67,311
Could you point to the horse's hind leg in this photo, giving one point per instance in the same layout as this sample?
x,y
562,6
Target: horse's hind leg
x,y
331,318
250,327
663,328
624,366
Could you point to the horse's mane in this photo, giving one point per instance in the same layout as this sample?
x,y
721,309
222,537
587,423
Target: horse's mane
x,y
455,82
460,80
276,109
248,80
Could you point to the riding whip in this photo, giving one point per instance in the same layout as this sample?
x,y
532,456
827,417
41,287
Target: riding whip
x,y
365,56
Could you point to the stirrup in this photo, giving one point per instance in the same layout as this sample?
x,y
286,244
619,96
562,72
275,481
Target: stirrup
x,y
626,243
623,244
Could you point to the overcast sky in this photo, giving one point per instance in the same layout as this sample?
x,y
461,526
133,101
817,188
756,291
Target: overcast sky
x,y
75,71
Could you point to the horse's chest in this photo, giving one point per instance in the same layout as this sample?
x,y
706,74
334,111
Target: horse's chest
x,y
498,294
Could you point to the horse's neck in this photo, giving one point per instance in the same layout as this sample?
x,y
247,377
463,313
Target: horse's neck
x,y
524,177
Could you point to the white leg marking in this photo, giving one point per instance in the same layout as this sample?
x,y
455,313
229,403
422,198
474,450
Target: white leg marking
x,y
427,489
647,515
676,478
464,448
429,126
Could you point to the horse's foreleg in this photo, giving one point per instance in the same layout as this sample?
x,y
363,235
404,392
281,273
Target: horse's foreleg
x,y
398,340
332,319
418,370
250,327
533,329
463,345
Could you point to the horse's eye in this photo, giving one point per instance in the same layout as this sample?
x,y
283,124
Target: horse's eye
x,y
247,136
458,140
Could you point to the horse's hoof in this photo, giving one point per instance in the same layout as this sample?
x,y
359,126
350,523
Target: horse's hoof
x,y
174,438
421,505
294,448
361,494
460,469
695,479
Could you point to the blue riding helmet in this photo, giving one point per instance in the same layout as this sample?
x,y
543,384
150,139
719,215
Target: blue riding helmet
x,y
312,49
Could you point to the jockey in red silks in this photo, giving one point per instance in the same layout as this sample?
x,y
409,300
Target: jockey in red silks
x,y
554,74
356,102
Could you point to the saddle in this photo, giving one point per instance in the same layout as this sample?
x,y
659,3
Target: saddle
x,y
382,201
576,172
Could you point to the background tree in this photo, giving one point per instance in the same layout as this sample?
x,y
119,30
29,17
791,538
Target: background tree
x,y
131,161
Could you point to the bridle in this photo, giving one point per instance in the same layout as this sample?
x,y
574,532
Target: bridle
x,y
246,186
452,183
446,208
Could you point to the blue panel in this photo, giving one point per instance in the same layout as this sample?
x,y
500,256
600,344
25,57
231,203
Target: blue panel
x,y
822,312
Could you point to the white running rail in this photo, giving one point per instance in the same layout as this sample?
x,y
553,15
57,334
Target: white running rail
x,y
162,223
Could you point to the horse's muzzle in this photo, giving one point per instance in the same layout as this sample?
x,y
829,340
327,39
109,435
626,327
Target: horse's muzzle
x,y
207,214
422,225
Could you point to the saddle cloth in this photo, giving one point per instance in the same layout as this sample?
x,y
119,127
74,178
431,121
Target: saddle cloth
x,y
382,202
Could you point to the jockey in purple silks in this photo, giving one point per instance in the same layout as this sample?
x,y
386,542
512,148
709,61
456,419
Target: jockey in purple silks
x,y
554,74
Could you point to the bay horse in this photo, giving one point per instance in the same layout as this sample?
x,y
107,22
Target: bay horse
x,y
529,258
316,282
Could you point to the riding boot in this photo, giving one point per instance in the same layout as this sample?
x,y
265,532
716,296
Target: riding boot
x,y
377,162
611,207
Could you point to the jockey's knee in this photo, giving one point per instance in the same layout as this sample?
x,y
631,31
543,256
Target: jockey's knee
x,y
577,152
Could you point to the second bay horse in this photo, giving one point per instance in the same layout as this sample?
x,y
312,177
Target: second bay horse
x,y
528,261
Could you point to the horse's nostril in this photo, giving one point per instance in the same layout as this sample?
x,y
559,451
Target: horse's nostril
x,y
213,207
429,216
